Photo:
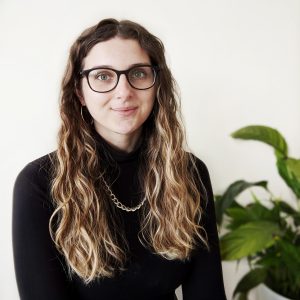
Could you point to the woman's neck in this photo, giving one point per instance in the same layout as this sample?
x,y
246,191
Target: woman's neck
x,y
122,142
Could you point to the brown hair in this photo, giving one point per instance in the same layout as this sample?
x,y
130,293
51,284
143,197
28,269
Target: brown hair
x,y
80,225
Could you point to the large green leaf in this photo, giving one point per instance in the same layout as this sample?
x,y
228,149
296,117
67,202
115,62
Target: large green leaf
x,y
263,134
259,212
250,281
252,212
238,216
228,198
289,169
248,239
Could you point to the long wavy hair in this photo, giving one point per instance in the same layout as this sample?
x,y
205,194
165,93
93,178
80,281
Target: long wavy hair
x,y
81,225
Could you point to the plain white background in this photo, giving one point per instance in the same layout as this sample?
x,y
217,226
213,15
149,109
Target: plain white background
x,y
237,63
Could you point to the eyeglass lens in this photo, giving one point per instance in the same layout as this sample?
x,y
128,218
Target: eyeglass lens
x,y
102,80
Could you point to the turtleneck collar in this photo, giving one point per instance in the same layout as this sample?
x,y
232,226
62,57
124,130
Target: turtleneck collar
x,y
117,155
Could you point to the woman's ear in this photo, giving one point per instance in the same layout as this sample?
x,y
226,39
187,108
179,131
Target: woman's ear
x,y
80,97
79,94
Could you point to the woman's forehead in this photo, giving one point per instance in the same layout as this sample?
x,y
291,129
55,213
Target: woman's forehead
x,y
117,53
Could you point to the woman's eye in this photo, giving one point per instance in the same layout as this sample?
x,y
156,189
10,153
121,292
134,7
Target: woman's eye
x,y
102,76
139,74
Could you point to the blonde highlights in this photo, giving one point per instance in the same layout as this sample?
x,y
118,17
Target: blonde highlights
x,y
82,225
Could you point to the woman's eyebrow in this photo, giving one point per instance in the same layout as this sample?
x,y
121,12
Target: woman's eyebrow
x,y
130,66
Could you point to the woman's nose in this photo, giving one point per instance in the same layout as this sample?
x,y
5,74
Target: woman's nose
x,y
123,89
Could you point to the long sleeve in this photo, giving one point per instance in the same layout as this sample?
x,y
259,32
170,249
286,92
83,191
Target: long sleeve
x,y
41,270
205,280
38,266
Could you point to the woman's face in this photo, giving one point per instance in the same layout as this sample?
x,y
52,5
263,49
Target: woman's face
x,y
123,110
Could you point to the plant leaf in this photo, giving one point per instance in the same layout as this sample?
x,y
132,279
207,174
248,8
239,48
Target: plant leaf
x,y
263,134
282,264
242,296
248,239
289,170
259,212
250,280
285,207
290,254
252,212
238,216
228,198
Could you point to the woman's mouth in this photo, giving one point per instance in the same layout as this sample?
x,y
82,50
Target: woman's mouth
x,y
125,111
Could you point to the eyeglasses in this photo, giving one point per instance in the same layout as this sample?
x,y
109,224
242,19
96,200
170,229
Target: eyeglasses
x,y
103,80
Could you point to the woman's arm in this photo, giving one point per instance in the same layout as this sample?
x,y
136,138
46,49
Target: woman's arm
x,y
39,268
205,281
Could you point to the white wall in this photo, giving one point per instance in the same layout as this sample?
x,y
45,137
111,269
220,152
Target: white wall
x,y
236,62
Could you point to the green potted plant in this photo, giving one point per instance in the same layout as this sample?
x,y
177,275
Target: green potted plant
x,y
268,236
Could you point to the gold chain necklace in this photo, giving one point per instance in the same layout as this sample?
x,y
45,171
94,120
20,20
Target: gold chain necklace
x,y
120,205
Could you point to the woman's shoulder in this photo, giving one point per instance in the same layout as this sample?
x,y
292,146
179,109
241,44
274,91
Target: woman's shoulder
x,y
202,176
200,165
36,174
39,166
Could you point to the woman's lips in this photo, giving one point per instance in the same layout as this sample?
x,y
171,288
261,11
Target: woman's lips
x,y
125,111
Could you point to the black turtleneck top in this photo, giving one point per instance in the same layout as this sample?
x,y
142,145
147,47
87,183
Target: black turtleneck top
x,y
41,271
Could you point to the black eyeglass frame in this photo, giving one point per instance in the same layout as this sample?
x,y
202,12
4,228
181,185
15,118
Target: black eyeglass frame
x,y
85,73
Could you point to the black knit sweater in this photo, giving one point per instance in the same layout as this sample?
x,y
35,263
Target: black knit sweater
x,y
41,271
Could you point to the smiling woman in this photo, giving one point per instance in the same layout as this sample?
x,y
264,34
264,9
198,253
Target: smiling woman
x,y
119,102
120,210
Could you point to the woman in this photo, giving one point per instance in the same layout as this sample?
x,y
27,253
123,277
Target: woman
x,y
120,210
